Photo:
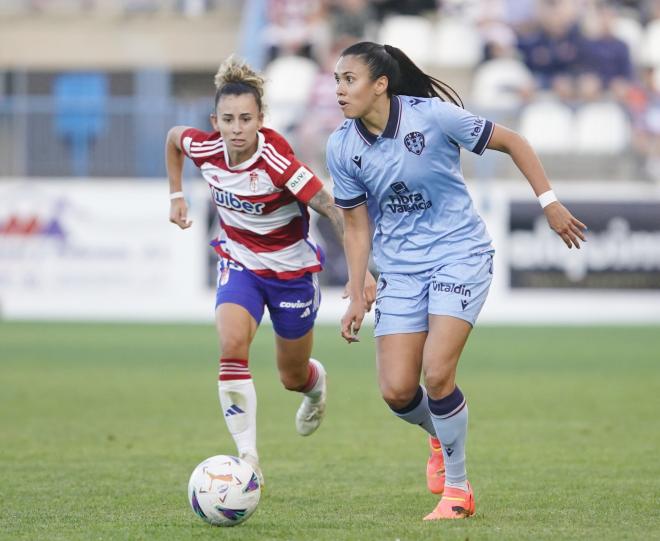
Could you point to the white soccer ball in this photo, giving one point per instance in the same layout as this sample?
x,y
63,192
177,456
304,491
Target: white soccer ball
x,y
224,490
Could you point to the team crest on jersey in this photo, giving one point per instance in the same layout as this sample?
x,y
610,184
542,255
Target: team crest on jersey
x,y
254,181
415,142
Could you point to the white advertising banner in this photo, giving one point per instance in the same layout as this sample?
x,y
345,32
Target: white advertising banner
x,y
105,250
97,250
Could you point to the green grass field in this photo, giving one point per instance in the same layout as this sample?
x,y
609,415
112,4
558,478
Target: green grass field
x,y
101,425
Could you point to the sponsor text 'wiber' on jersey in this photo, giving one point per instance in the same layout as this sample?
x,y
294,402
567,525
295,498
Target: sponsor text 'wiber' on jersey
x,y
261,203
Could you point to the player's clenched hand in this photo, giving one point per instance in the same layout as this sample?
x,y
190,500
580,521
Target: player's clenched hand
x,y
179,213
352,321
369,290
562,222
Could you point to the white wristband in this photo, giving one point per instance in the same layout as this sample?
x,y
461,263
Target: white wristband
x,y
176,195
546,198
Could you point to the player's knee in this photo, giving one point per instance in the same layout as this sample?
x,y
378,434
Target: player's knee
x,y
438,382
293,380
234,345
397,397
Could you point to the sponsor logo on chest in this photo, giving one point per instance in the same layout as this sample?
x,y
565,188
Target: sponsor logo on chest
x,y
404,200
231,201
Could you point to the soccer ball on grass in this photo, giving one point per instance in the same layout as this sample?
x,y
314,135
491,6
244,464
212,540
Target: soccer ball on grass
x,y
224,490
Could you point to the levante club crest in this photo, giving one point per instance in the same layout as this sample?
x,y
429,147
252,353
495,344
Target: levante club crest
x,y
415,142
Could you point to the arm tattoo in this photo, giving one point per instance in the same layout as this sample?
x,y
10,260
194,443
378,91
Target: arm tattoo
x,y
324,204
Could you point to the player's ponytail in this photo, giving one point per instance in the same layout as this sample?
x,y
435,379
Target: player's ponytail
x,y
404,77
235,77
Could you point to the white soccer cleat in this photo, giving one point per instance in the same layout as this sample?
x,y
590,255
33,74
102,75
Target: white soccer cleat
x,y
311,412
254,462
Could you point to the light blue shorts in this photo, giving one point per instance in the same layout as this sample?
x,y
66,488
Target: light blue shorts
x,y
458,289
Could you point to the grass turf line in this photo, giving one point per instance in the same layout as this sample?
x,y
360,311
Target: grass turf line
x,y
102,424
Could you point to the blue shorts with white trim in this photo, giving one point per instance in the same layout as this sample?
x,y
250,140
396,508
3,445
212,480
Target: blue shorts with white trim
x,y
292,304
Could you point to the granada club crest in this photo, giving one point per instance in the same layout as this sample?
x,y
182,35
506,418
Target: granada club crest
x,y
254,181
415,142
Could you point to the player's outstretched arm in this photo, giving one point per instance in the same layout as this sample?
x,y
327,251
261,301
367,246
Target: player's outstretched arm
x,y
562,222
174,158
324,204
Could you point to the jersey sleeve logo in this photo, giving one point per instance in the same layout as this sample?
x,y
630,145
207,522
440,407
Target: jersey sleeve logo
x,y
415,142
477,126
186,144
299,179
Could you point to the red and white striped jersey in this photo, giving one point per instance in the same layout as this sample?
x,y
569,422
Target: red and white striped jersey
x,y
262,204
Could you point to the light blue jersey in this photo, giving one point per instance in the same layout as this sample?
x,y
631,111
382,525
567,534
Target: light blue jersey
x,y
410,178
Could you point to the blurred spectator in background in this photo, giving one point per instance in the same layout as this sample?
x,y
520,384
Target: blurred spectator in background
x,y
322,108
193,8
499,40
140,7
350,20
311,139
649,10
403,7
551,51
501,83
605,66
644,105
519,15
42,5
291,27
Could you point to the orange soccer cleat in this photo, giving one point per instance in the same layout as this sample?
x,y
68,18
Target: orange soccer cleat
x,y
455,503
435,467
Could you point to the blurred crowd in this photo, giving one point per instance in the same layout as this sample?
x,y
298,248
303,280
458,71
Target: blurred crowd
x,y
579,78
189,8
517,53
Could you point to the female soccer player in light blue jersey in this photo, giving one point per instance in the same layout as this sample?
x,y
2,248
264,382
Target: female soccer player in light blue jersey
x,y
395,163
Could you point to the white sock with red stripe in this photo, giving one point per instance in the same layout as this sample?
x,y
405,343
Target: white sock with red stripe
x,y
239,404
316,377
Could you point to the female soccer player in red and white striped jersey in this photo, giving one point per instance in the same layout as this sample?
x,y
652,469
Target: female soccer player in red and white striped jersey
x,y
266,255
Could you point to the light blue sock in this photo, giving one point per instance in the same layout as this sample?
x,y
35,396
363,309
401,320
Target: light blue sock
x,y
450,419
417,412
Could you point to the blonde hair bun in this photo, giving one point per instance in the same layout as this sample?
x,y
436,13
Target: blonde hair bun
x,y
234,70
